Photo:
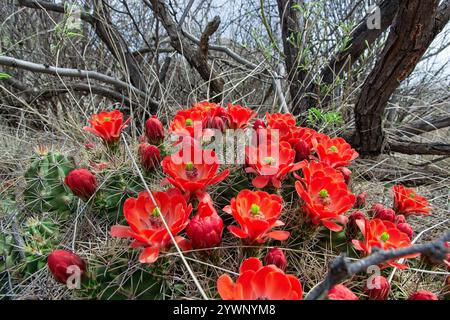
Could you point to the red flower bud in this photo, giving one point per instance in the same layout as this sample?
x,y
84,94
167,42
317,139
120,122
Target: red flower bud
x,y
205,228
276,256
400,219
383,213
302,150
406,228
63,264
341,292
217,123
346,173
259,124
378,289
82,183
154,130
352,228
361,200
376,208
149,156
423,295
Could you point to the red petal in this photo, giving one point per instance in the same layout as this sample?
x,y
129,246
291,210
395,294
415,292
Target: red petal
x,y
237,232
120,231
260,182
278,235
253,264
149,255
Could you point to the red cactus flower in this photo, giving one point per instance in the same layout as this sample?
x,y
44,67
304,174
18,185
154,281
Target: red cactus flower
x,y
361,200
423,295
378,289
146,225
82,183
107,125
406,228
271,166
187,121
205,228
154,130
256,212
63,264
284,122
192,169
149,156
335,152
239,117
301,141
384,235
341,292
325,195
276,256
258,282
408,202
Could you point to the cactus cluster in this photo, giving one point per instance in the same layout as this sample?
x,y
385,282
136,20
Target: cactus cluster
x,y
7,253
116,186
40,238
45,190
111,278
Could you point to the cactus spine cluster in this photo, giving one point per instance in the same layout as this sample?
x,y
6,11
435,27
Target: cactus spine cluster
x,y
45,190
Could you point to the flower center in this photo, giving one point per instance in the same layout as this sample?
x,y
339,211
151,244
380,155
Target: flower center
x,y
254,209
106,118
412,195
333,149
269,160
156,212
384,236
191,171
188,122
189,166
323,193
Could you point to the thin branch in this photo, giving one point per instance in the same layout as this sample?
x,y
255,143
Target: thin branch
x,y
342,268
411,147
74,73
424,125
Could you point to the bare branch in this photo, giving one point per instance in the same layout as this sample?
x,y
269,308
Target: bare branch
x,y
342,268
424,125
183,46
408,147
74,73
210,28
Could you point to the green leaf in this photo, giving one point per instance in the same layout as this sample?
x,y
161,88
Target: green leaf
x,y
4,75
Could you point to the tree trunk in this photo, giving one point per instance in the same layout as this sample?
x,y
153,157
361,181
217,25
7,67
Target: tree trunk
x,y
409,38
290,28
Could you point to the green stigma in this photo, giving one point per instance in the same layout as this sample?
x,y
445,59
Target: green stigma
x,y
384,236
333,149
323,193
188,122
269,160
189,166
254,209
412,195
156,212
106,118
